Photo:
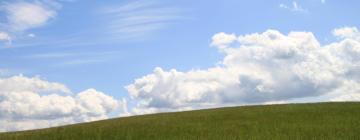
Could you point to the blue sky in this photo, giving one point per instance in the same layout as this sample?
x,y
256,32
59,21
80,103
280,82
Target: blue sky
x,y
106,45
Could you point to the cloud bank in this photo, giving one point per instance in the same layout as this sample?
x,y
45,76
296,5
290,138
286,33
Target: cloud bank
x,y
29,103
258,68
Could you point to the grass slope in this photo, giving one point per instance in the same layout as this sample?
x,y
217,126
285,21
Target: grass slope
x,y
293,121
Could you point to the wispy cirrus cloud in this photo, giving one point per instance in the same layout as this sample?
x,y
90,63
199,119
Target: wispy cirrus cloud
x,y
127,21
64,59
294,7
139,18
76,62
70,54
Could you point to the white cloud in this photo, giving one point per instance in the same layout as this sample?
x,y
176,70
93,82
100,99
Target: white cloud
x,y
295,7
30,84
22,16
96,103
348,97
347,32
28,103
4,36
258,68
222,40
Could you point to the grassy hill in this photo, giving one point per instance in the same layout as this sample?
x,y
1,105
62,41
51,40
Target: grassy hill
x,y
293,121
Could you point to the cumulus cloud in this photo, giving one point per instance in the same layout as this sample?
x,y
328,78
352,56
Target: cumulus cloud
x,y
347,32
258,68
28,103
30,84
222,39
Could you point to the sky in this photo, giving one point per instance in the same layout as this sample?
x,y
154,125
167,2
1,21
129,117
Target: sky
x,y
73,61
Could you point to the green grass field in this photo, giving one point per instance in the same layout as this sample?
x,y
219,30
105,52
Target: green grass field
x,y
327,121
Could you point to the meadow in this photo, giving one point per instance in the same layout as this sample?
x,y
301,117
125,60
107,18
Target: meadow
x,y
327,121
